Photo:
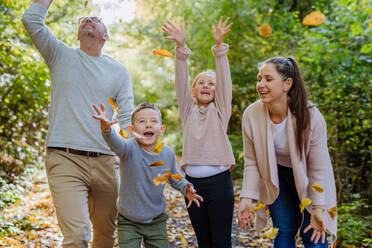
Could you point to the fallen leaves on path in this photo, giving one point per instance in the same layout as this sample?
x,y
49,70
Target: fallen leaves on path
x,y
36,225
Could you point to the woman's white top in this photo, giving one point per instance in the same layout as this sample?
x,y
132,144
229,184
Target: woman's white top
x,y
200,171
281,143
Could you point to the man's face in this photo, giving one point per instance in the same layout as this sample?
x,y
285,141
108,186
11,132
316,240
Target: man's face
x,y
92,27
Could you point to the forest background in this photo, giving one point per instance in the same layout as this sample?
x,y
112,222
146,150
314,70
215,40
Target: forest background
x,y
335,58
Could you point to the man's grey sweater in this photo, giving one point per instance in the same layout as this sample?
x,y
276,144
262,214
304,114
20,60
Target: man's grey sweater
x,y
78,81
140,200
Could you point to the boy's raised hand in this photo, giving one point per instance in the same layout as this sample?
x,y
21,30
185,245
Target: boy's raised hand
x,y
177,34
103,118
221,30
192,196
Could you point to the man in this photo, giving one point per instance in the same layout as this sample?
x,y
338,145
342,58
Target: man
x,y
82,171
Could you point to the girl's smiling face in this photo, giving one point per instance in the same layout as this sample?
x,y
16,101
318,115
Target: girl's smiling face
x,y
204,89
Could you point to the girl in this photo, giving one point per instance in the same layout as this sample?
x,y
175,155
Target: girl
x,y
207,155
286,154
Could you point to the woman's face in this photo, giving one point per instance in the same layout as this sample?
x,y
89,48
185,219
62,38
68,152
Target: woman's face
x,y
270,86
204,89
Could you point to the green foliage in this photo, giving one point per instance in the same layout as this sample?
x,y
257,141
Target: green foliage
x,y
355,223
335,59
25,84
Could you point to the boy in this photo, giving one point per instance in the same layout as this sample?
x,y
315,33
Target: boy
x,y
141,203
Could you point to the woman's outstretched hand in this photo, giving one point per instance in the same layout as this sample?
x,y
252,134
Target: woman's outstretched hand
x,y
103,118
221,30
318,224
245,216
177,34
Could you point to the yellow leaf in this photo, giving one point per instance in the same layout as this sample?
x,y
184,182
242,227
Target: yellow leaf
x,y
241,155
306,202
162,52
317,188
177,177
160,179
123,133
183,240
315,18
113,104
259,206
271,234
120,20
333,212
157,163
265,30
159,147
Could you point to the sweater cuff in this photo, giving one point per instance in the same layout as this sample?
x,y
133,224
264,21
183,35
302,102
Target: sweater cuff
x,y
38,8
221,50
183,52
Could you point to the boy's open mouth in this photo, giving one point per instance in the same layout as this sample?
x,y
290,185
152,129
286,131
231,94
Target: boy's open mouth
x,y
148,134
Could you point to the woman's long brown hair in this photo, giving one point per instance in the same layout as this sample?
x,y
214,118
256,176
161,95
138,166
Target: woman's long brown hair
x,y
297,97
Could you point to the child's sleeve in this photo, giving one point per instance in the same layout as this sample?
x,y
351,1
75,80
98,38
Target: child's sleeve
x,y
178,185
223,83
117,143
183,93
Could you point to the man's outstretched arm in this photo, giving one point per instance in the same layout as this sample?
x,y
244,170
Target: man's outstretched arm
x,y
45,3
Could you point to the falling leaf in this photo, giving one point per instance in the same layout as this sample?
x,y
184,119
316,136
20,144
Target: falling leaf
x,y
333,212
259,206
177,177
241,155
157,163
162,52
123,133
160,179
271,234
306,202
315,18
265,30
120,20
159,147
317,188
113,104
86,3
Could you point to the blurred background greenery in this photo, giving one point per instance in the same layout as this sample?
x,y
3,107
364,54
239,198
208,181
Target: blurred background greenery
x,y
335,59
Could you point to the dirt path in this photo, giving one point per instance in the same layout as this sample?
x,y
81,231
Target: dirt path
x,y
35,221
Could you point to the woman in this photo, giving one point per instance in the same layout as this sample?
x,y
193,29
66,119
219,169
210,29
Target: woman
x,y
285,150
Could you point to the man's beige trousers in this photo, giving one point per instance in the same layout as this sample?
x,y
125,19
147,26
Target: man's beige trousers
x,y
84,189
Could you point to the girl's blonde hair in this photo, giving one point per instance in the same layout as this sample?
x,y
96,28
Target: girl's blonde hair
x,y
208,73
